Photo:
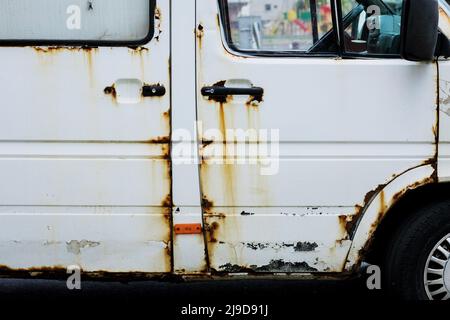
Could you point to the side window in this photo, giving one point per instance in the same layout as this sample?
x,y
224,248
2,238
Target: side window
x,y
80,21
372,27
277,25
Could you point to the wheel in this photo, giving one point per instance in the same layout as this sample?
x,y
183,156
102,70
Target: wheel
x,y
417,264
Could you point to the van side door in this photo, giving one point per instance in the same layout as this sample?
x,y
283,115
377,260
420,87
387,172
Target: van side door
x,y
84,135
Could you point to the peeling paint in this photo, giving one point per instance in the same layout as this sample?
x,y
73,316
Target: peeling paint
x,y
75,246
273,266
158,23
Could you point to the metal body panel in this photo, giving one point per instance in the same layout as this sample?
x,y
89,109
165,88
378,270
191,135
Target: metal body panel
x,y
98,239
338,143
444,121
380,205
188,250
94,174
85,157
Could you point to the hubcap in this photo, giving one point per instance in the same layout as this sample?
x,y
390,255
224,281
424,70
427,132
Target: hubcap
x,y
437,271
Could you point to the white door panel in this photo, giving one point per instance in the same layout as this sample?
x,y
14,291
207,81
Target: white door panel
x,y
345,127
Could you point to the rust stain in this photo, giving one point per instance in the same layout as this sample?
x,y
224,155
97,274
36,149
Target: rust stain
x,y
349,222
111,90
200,32
90,66
58,49
384,208
212,232
60,272
254,101
159,140
206,204
141,53
220,99
218,22
167,201
138,50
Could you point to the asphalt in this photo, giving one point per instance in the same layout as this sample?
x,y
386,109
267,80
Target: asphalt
x,y
224,290
167,300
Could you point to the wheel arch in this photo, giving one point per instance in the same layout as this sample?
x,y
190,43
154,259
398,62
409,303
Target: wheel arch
x,y
384,213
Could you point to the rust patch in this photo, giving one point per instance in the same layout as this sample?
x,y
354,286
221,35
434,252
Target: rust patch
x,y
384,208
413,186
58,49
219,99
349,222
212,230
167,201
159,140
254,101
273,266
111,90
207,204
60,272
138,49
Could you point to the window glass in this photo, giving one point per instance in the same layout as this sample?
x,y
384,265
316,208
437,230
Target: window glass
x,y
277,25
75,20
372,26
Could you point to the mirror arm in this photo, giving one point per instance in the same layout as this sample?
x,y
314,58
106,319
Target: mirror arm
x,y
443,46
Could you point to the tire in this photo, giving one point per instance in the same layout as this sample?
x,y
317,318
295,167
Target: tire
x,y
411,253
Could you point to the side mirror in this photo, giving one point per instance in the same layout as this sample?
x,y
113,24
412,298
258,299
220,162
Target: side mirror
x,y
419,31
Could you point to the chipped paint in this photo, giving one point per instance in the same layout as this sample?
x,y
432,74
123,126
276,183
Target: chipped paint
x,y
158,23
75,246
273,266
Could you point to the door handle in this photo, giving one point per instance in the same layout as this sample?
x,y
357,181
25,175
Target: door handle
x,y
153,91
219,91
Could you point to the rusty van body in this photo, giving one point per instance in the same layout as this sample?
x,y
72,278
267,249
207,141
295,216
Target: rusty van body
x,y
183,144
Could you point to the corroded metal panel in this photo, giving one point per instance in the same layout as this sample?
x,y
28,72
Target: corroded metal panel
x,y
86,152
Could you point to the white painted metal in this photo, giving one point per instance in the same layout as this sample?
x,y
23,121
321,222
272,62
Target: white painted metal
x,y
444,104
88,179
85,175
345,127
188,250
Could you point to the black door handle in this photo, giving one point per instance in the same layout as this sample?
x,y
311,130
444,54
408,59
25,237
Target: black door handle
x,y
153,91
219,91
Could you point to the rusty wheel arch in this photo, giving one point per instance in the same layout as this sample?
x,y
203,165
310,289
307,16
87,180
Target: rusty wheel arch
x,y
403,208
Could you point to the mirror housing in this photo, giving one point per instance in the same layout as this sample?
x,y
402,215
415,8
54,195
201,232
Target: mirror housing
x,y
419,30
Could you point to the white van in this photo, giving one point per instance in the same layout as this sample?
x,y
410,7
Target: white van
x,y
223,138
